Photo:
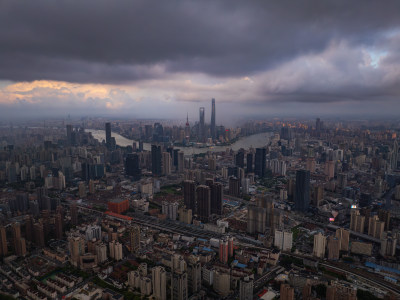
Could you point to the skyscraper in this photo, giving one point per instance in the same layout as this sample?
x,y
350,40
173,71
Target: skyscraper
x,y
166,163
287,292
59,225
216,198
3,241
132,166
194,274
239,159
333,248
202,126
357,221
38,232
213,132
302,196
344,236
156,160
108,135
260,161
203,202
249,163
159,280
189,194
319,245
246,288
74,214
223,251
134,235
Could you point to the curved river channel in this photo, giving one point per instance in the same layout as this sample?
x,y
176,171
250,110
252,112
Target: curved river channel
x,y
252,141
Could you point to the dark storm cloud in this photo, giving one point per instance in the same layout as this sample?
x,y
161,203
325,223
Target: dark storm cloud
x,y
119,41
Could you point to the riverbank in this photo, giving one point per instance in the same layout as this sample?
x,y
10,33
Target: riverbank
x,y
252,141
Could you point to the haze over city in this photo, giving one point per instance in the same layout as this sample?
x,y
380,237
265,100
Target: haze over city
x,y
151,59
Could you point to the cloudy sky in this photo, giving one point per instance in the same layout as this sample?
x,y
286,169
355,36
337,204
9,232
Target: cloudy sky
x,y
162,59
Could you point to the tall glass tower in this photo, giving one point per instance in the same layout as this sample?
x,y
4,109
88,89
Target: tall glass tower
x,y
213,133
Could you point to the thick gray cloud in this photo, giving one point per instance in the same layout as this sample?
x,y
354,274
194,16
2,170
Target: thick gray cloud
x,y
120,41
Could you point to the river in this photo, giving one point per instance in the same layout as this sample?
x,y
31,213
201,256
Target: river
x,y
252,141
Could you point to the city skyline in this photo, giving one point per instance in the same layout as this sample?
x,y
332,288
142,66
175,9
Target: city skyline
x,y
255,59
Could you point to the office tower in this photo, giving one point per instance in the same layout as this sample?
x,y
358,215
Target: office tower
x,y
216,198
388,244
213,130
256,219
74,214
333,248
375,227
239,159
38,233
189,194
202,126
3,241
203,194
166,163
249,163
132,166
302,195
69,135
357,221
234,186
156,161
246,288
260,161
283,240
344,236
134,235
16,234
194,274
287,292
159,281
223,251
319,245
108,136
59,225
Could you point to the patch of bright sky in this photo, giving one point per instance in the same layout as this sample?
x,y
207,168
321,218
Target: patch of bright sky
x,y
376,56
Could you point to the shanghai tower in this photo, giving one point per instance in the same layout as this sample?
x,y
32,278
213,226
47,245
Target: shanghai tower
x,y
213,133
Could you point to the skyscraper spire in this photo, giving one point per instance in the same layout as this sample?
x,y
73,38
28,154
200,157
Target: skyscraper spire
x,y
213,131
